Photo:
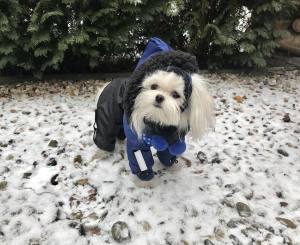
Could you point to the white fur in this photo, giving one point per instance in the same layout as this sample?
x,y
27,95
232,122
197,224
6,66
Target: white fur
x,y
169,113
198,115
201,108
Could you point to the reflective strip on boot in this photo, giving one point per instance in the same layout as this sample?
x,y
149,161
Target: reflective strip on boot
x,y
140,160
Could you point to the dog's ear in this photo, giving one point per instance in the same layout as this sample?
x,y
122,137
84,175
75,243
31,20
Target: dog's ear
x,y
201,106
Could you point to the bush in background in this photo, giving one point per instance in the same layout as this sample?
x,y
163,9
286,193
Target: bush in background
x,y
48,36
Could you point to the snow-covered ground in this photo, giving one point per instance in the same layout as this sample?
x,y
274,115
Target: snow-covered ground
x,y
238,185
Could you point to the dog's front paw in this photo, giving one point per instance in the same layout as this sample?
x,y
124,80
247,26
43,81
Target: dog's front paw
x,y
145,175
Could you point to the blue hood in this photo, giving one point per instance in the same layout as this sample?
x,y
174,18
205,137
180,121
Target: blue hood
x,y
154,45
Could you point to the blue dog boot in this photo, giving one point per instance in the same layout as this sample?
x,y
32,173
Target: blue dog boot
x,y
145,175
140,162
177,148
166,158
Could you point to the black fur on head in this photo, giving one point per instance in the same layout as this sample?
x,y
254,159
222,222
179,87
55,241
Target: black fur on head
x,y
159,61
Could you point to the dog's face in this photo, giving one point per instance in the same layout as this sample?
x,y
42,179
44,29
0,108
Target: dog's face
x,y
161,98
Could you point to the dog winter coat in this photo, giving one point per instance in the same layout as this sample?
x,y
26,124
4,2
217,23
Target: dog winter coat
x,y
116,103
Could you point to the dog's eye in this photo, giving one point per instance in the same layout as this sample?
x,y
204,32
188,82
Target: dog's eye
x,y
154,86
175,95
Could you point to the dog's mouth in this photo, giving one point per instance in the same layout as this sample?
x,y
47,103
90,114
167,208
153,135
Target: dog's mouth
x,y
157,105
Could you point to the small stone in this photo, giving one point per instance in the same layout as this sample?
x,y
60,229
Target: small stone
x,y
93,216
91,230
216,159
52,162
120,232
232,223
219,233
35,163
283,152
184,242
34,241
227,202
103,215
261,213
283,204
146,226
235,240
287,240
239,109
3,185
27,175
249,195
44,154
26,112
243,209
53,143
81,182
223,101
76,215
11,141
288,223
225,170
54,180
202,157
19,161
247,231
286,118
78,159
9,157
208,242
60,151
4,145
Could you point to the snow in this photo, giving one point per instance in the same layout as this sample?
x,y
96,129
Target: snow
x,y
186,204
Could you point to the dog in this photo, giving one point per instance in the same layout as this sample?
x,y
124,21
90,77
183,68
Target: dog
x,y
164,99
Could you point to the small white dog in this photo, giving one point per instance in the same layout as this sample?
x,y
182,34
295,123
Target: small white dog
x,y
162,101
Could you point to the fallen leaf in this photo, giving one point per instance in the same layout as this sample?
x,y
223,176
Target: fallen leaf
x,y
81,182
239,99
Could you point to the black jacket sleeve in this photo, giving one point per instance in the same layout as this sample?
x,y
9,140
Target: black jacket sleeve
x,y
108,115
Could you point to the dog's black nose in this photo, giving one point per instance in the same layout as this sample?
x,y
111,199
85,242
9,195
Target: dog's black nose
x,y
159,98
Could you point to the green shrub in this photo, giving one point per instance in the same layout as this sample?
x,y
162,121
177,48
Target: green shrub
x,y
49,36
